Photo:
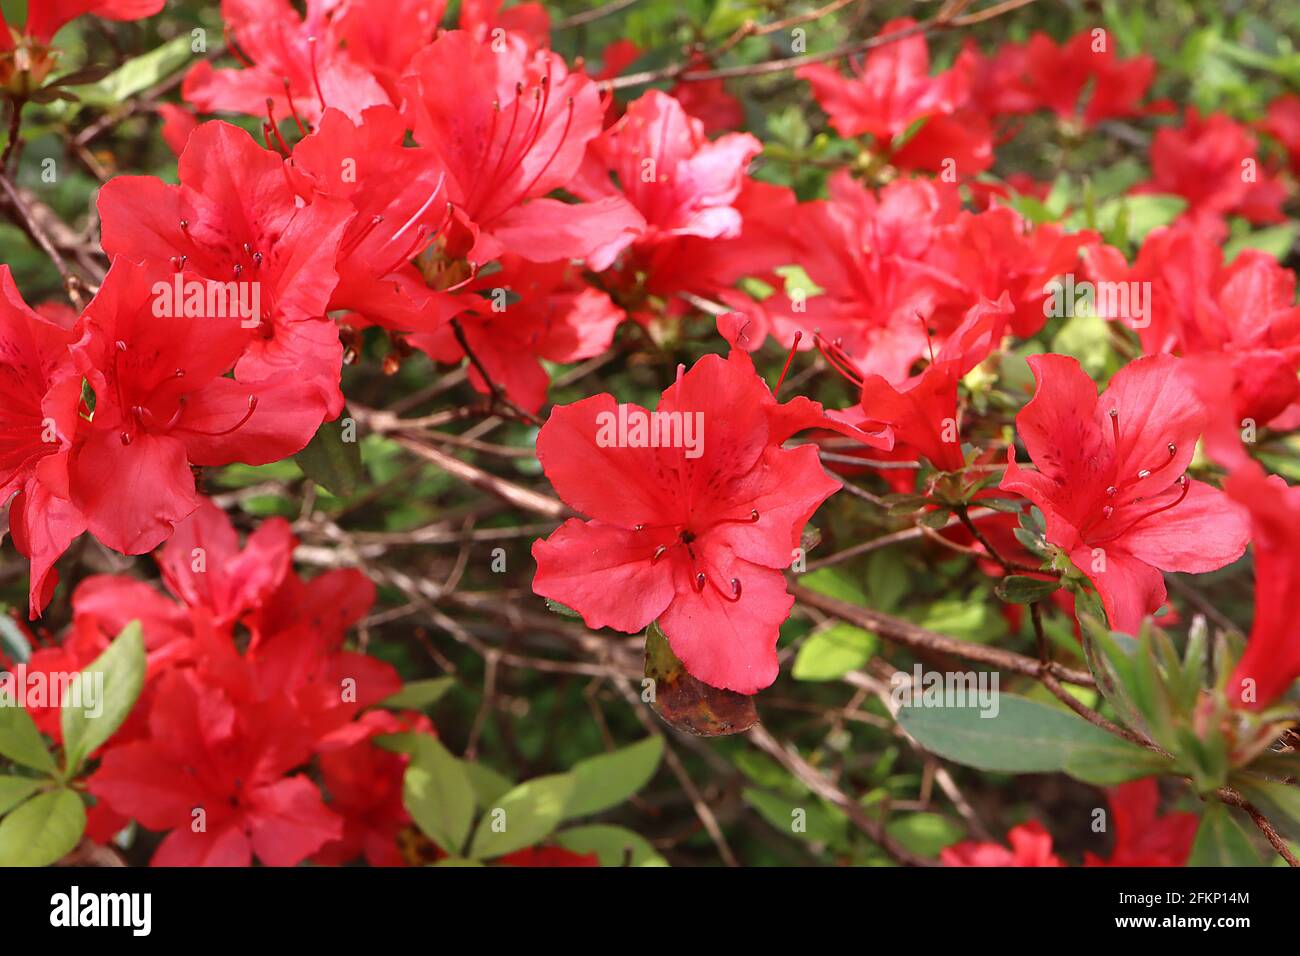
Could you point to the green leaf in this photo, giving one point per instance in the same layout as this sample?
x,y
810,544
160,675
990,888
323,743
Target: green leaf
x,y
419,694
1022,589
608,779
1280,802
924,834
802,818
1024,737
555,607
21,742
14,790
489,786
613,846
523,817
1275,240
1116,762
43,830
1222,840
138,74
834,584
121,670
331,462
831,653
438,795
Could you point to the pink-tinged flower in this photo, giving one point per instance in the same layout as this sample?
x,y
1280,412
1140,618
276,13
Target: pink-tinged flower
x,y
40,398
694,535
1142,836
299,62
1271,662
163,402
1111,483
511,126
923,410
400,200
1212,162
209,759
235,218
892,88
1198,305
532,311
679,181
1031,845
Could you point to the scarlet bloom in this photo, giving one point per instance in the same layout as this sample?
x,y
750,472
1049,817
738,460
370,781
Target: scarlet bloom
x,y
299,61
893,89
532,311
1111,483
1142,836
163,402
1244,311
683,184
1271,662
1283,124
40,397
923,410
1043,74
1212,162
693,536
46,17
1031,845
208,755
235,218
399,197
510,126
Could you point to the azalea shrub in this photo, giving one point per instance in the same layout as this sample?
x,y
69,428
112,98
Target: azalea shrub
x,y
668,433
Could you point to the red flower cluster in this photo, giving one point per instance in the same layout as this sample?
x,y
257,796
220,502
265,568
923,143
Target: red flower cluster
x,y
248,685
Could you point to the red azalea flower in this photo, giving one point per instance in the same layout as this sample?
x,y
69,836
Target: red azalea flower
x,y
527,20
695,539
554,315
988,253
1111,483
162,403
208,754
892,88
399,195
46,17
1057,76
1283,124
1212,162
40,396
299,62
1271,662
236,218
1244,310
870,256
708,100
923,411
679,181
364,784
204,566
548,856
1031,845
511,126
1142,837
